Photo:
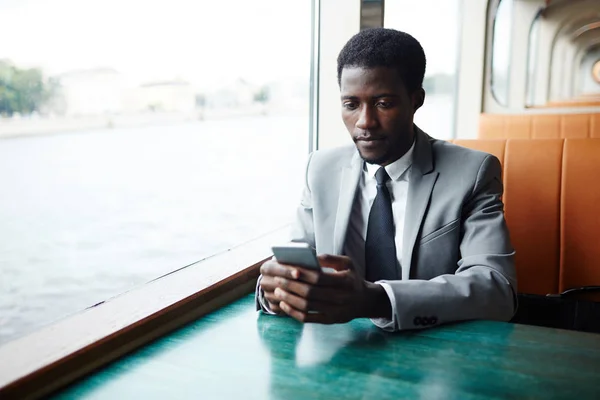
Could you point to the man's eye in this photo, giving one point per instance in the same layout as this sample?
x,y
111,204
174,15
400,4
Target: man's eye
x,y
385,104
349,105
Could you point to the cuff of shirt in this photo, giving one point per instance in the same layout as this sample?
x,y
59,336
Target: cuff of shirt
x,y
262,303
385,323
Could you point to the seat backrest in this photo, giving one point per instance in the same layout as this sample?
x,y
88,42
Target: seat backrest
x,y
552,209
539,126
580,214
532,174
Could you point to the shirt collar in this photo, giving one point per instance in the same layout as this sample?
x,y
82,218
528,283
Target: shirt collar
x,y
396,169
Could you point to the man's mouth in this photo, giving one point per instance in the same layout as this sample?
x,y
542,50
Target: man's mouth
x,y
367,138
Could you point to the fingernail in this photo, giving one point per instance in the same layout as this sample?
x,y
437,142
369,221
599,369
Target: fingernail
x,y
277,292
295,274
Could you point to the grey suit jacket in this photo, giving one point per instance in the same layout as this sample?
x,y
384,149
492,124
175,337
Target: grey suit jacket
x,y
457,260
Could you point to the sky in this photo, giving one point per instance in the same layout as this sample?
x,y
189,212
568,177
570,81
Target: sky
x,y
201,41
204,42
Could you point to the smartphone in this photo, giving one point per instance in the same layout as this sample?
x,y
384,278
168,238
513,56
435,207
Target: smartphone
x,y
297,253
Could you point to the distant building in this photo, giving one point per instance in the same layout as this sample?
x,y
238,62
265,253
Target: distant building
x,y
233,95
167,96
289,95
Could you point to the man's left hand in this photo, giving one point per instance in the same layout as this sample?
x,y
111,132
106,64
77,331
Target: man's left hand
x,y
331,297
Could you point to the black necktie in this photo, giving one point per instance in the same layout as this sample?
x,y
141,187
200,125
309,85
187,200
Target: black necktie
x,y
380,248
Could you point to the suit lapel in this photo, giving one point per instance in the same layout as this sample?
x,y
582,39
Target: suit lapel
x,y
349,183
421,181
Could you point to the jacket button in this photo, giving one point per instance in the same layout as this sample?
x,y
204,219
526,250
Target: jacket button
x,y
417,321
433,320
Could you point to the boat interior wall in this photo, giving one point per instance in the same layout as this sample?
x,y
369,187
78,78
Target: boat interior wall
x,y
539,126
551,53
551,210
571,29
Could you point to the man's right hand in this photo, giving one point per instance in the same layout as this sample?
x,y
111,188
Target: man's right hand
x,y
270,271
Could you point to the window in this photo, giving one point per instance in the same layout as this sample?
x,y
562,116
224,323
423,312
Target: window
x,y
435,24
589,73
596,71
501,51
138,137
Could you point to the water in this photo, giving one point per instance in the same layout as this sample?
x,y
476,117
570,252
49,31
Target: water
x,y
87,215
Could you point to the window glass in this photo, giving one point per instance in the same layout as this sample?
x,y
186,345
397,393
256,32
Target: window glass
x,y
137,137
589,73
501,51
435,24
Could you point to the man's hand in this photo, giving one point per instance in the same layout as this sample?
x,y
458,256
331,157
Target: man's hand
x,y
324,297
271,271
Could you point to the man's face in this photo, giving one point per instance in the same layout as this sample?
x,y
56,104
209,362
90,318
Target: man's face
x,y
378,112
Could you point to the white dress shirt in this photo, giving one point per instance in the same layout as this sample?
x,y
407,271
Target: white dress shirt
x,y
354,246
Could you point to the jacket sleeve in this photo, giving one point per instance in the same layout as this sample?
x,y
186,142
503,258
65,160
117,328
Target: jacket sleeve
x,y
484,285
303,230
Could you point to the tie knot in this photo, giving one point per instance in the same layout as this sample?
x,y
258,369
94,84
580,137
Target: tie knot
x,y
381,176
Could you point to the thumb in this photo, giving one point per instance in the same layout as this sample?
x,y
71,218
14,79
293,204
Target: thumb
x,y
338,263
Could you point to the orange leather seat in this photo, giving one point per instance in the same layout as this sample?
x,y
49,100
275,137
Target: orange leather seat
x,y
539,126
551,208
580,214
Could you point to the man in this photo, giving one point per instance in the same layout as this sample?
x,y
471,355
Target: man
x,y
413,226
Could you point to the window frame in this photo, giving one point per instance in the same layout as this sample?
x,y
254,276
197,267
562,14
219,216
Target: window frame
x,y
492,47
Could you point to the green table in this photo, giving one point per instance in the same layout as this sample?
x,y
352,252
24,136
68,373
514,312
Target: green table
x,y
235,353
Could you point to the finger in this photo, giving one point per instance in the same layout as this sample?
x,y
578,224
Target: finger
x,y
325,294
291,299
275,307
273,268
318,278
269,283
274,304
339,263
292,312
309,276
271,298
303,304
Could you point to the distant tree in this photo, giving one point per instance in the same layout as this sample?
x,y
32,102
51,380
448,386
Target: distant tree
x,y
263,95
24,91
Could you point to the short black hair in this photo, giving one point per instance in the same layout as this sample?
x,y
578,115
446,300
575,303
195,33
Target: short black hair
x,y
381,47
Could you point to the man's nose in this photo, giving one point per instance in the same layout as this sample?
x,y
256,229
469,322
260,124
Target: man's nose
x,y
367,118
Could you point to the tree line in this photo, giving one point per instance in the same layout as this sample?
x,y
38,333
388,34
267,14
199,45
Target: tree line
x,y
23,91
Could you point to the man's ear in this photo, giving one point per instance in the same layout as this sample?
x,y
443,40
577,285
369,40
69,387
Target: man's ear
x,y
418,98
